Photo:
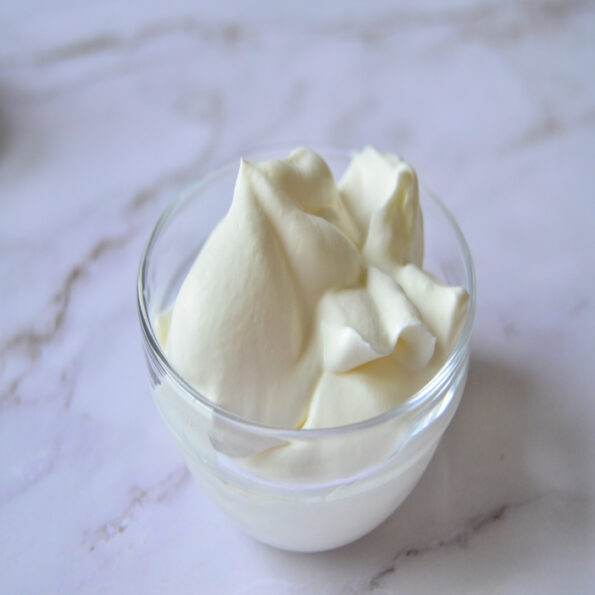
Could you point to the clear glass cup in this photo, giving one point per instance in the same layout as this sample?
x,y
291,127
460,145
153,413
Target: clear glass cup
x,y
301,490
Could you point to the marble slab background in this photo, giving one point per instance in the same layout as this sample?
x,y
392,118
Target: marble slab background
x,y
107,110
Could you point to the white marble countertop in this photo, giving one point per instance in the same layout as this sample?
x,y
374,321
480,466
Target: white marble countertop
x,y
108,109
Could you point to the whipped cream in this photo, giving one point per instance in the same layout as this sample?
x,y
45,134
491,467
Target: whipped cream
x,y
307,306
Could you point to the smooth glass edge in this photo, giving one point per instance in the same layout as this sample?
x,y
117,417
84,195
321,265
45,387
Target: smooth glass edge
x,y
418,400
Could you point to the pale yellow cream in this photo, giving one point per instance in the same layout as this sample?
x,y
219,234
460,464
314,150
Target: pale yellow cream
x,y
307,306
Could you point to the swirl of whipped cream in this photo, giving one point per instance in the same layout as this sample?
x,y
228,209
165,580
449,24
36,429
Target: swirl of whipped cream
x,y
307,306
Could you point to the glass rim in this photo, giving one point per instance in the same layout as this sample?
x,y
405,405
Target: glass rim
x,y
416,402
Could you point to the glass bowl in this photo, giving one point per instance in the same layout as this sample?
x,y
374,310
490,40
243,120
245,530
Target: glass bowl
x,y
301,490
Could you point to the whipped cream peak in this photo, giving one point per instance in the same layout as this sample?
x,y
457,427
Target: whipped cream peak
x,y
381,192
307,306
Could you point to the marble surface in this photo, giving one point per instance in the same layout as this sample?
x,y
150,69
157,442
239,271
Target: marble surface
x,y
108,109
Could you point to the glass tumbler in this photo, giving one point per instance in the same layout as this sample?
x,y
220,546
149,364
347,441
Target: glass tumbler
x,y
300,490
